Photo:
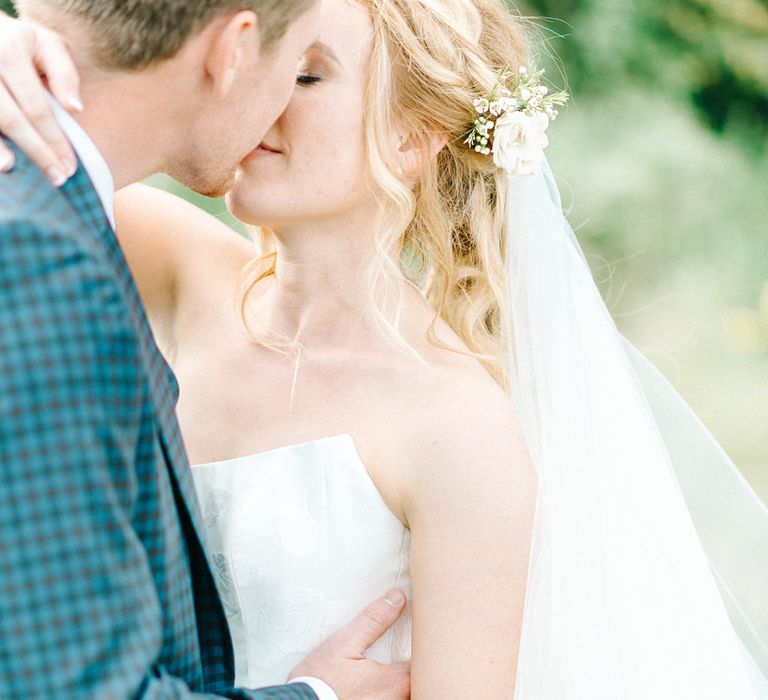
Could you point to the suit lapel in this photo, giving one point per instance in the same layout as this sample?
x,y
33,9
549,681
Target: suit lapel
x,y
86,203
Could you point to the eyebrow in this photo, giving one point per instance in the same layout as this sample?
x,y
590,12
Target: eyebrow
x,y
326,51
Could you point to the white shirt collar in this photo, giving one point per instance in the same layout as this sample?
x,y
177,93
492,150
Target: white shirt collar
x,y
90,157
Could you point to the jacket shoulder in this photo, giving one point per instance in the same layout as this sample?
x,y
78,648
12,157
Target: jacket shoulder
x,y
27,195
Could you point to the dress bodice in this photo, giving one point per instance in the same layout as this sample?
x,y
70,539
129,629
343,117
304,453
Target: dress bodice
x,y
300,541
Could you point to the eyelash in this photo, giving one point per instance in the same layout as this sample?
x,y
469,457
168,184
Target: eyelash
x,y
307,80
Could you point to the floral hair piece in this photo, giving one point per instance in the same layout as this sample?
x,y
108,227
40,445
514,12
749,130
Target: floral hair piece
x,y
512,121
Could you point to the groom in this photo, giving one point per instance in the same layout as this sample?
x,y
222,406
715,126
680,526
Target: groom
x,y
105,590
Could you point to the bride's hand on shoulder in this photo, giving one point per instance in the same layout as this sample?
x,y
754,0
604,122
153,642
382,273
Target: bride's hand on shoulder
x,y
30,54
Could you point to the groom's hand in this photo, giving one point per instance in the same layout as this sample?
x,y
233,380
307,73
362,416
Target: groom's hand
x,y
339,661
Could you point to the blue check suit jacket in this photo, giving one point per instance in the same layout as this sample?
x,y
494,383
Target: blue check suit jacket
x,y
105,589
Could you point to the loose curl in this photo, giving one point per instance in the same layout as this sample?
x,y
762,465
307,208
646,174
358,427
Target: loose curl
x,y
445,235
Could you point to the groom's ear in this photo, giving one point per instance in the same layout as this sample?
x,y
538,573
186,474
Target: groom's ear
x,y
235,45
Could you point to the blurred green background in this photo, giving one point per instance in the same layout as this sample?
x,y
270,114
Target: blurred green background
x,y
662,157
663,162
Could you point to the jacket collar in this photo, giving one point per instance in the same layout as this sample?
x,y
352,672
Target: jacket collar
x,y
90,156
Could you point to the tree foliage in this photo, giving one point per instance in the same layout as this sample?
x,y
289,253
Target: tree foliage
x,y
713,52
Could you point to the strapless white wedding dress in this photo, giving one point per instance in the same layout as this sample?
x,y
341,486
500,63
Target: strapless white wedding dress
x,y
300,541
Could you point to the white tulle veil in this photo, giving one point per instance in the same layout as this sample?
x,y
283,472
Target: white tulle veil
x,y
649,563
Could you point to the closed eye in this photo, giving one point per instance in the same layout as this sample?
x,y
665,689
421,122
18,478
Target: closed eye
x,y
306,79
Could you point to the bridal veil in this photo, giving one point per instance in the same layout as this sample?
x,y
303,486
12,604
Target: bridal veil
x,y
649,561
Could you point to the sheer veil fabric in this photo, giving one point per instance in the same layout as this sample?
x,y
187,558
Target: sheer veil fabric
x,y
649,548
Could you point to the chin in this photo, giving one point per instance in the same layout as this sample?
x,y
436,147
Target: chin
x,y
250,203
217,189
249,215
205,183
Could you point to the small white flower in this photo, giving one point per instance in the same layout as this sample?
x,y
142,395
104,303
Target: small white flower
x,y
519,143
496,108
482,105
543,90
523,70
478,148
506,104
525,94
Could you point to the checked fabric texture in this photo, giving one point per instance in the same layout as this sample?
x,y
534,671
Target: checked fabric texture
x,y
105,590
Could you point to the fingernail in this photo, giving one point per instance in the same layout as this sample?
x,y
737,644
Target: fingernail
x,y
56,176
394,598
71,169
6,163
75,102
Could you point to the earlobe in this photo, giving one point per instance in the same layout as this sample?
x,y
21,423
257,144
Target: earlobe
x,y
415,153
406,155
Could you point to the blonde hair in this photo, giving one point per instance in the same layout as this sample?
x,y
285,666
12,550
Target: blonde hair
x,y
431,59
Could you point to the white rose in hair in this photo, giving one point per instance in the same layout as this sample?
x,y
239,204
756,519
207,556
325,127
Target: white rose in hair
x,y
519,142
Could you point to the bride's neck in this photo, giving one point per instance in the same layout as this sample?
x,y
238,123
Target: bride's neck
x,y
318,292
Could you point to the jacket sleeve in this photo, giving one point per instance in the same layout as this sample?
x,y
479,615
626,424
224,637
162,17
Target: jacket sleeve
x,y
79,611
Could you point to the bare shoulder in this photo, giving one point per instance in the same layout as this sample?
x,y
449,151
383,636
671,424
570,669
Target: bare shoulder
x,y
466,409
468,441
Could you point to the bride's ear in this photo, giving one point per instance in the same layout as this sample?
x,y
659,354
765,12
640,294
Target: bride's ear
x,y
235,45
415,152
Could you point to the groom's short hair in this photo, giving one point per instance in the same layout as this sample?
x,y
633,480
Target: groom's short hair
x,y
134,34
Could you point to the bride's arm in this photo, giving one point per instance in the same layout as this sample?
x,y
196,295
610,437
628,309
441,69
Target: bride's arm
x,y
174,249
469,504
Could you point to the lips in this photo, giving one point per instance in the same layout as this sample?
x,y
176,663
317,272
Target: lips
x,y
263,150
266,147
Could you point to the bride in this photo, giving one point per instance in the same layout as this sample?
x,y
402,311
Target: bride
x,y
408,368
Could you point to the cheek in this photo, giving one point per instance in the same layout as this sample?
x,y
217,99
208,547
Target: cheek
x,y
324,172
329,148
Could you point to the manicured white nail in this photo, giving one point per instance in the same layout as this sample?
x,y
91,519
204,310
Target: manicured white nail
x,y
75,102
6,163
56,176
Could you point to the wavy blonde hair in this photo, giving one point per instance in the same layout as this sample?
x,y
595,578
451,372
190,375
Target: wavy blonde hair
x,y
445,235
